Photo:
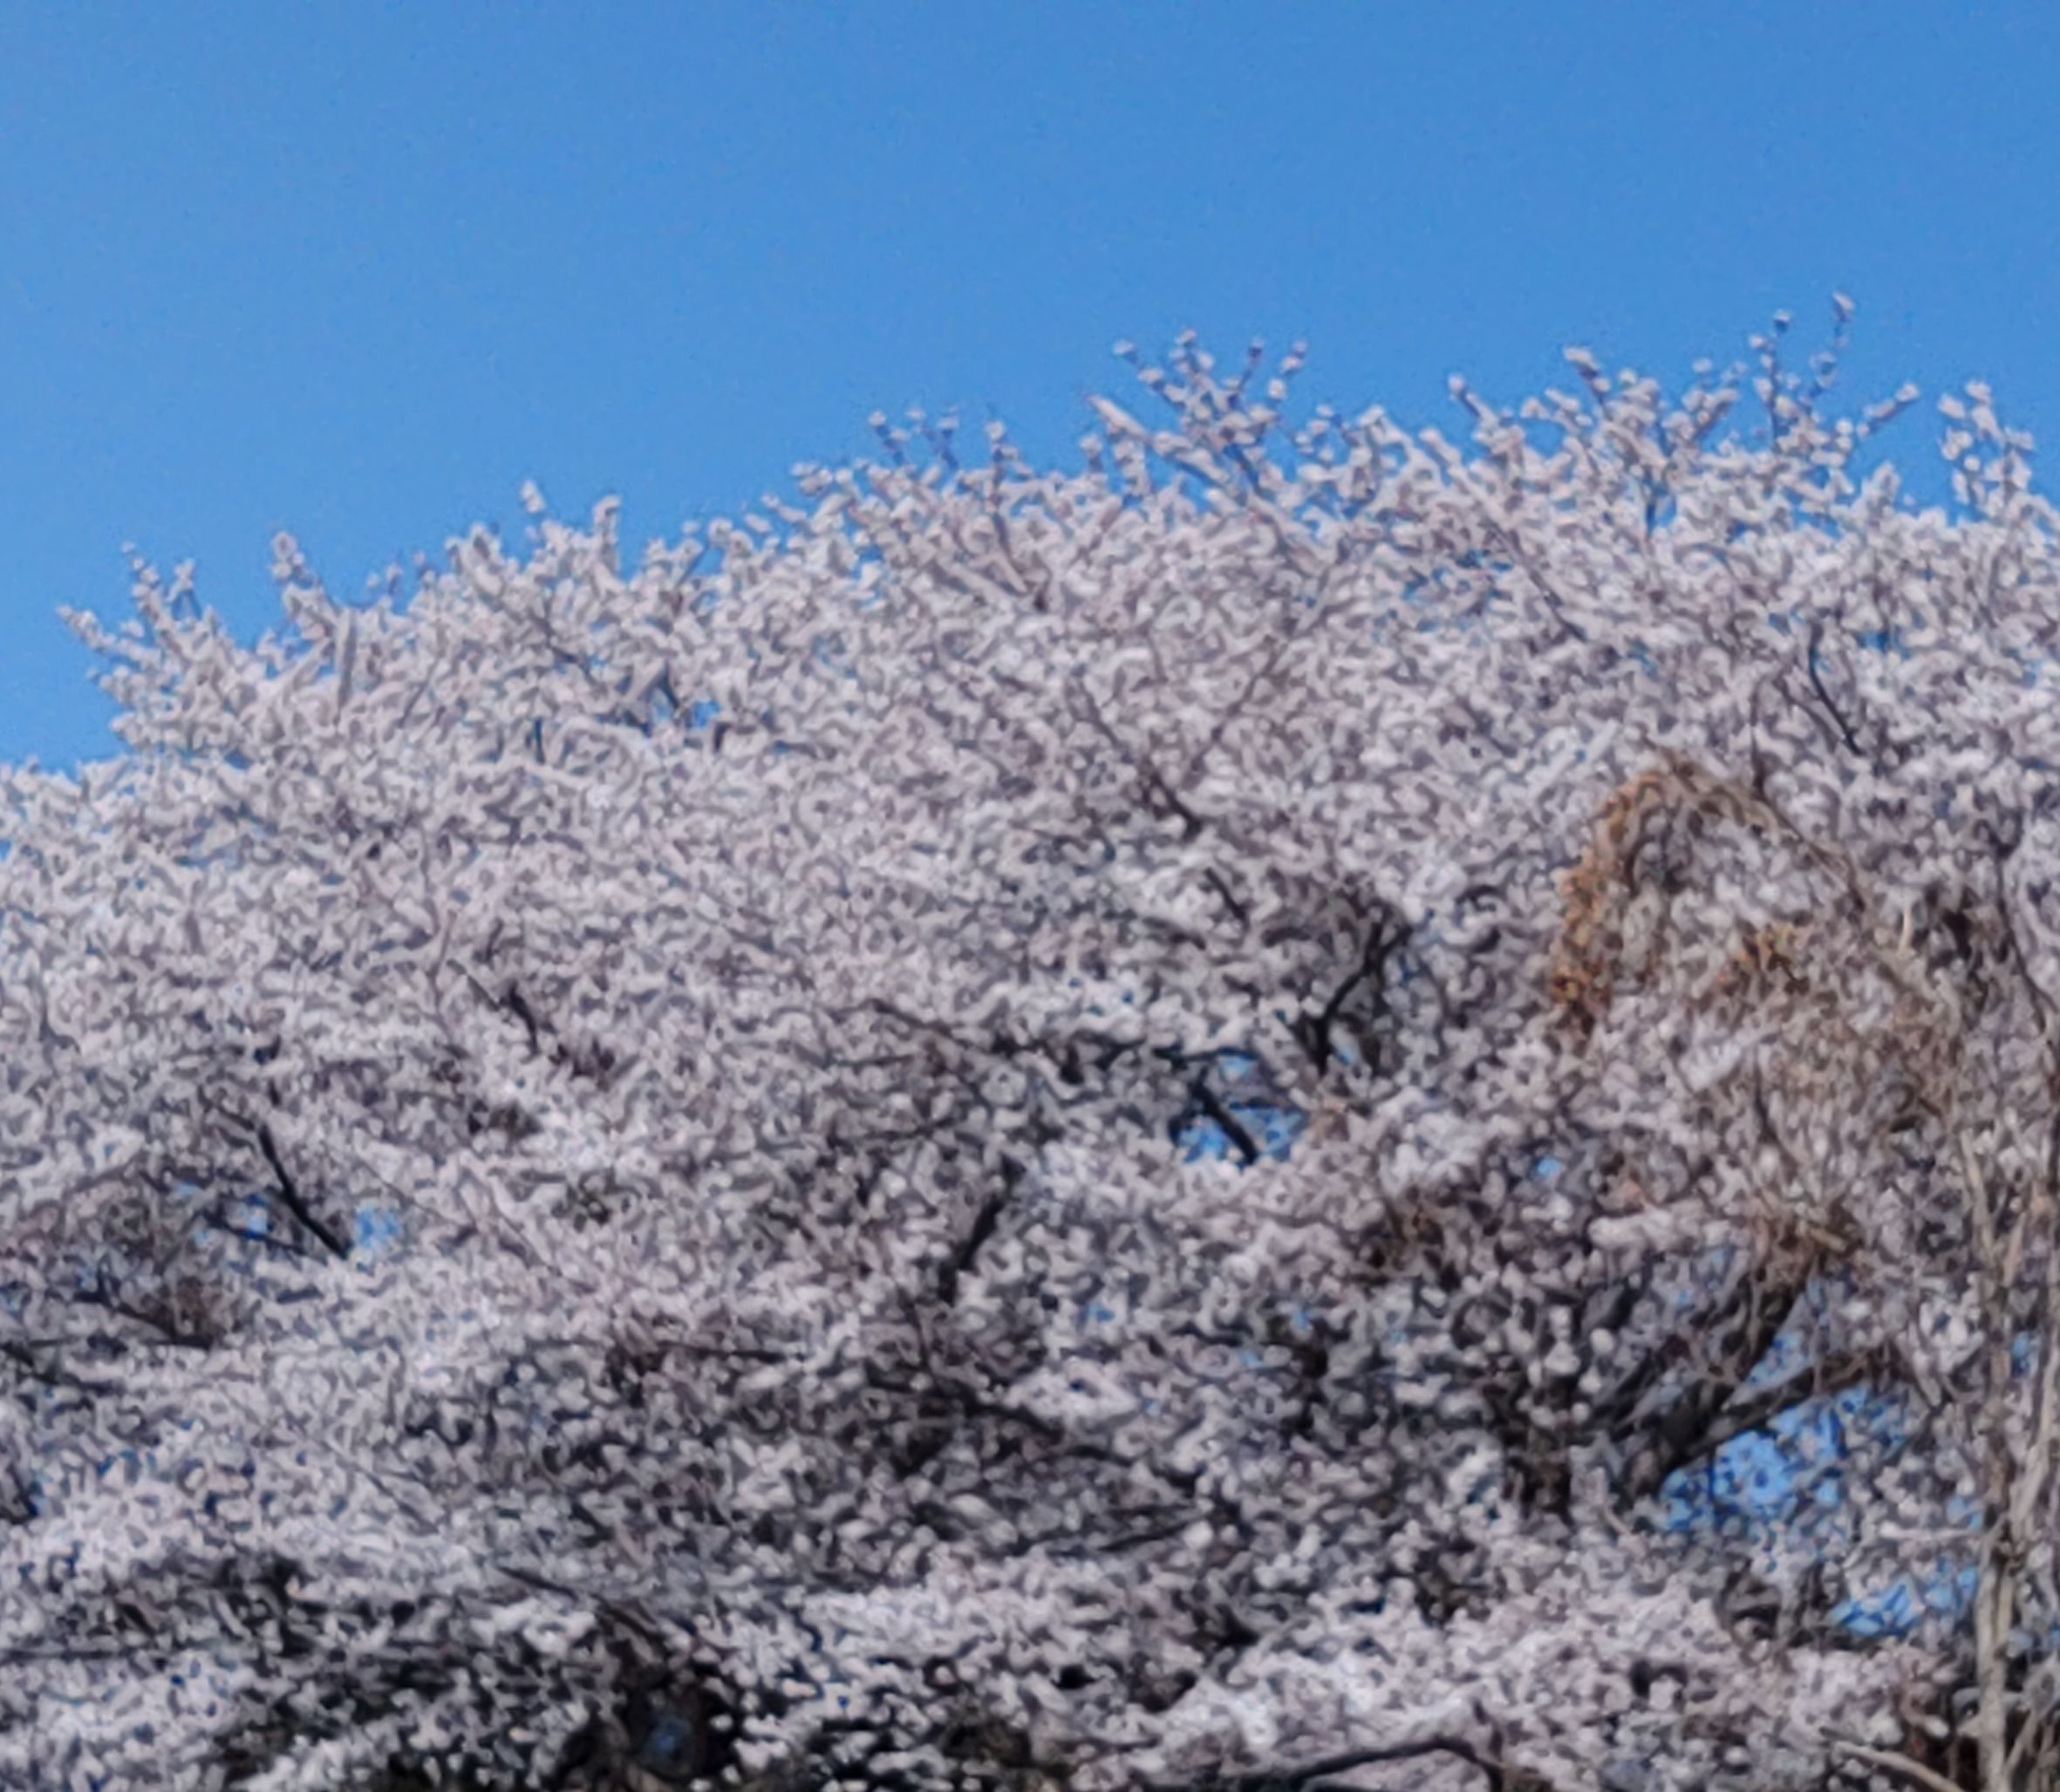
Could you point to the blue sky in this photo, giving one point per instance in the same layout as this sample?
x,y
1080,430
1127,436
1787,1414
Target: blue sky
x,y
360,270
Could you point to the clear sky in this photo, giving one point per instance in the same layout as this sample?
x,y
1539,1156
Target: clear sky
x,y
359,270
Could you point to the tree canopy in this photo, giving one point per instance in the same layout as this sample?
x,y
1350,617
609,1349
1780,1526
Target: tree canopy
x,y
596,1171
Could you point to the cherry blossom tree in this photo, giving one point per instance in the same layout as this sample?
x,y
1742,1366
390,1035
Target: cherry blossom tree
x,y
595,1171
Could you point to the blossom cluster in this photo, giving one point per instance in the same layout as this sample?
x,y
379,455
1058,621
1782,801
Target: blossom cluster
x,y
596,1169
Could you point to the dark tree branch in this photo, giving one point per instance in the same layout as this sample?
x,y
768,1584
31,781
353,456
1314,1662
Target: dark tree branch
x,y
287,1189
521,1009
1497,1772
983,1222
1200,1095
291,1198
1312,1034
1823,696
